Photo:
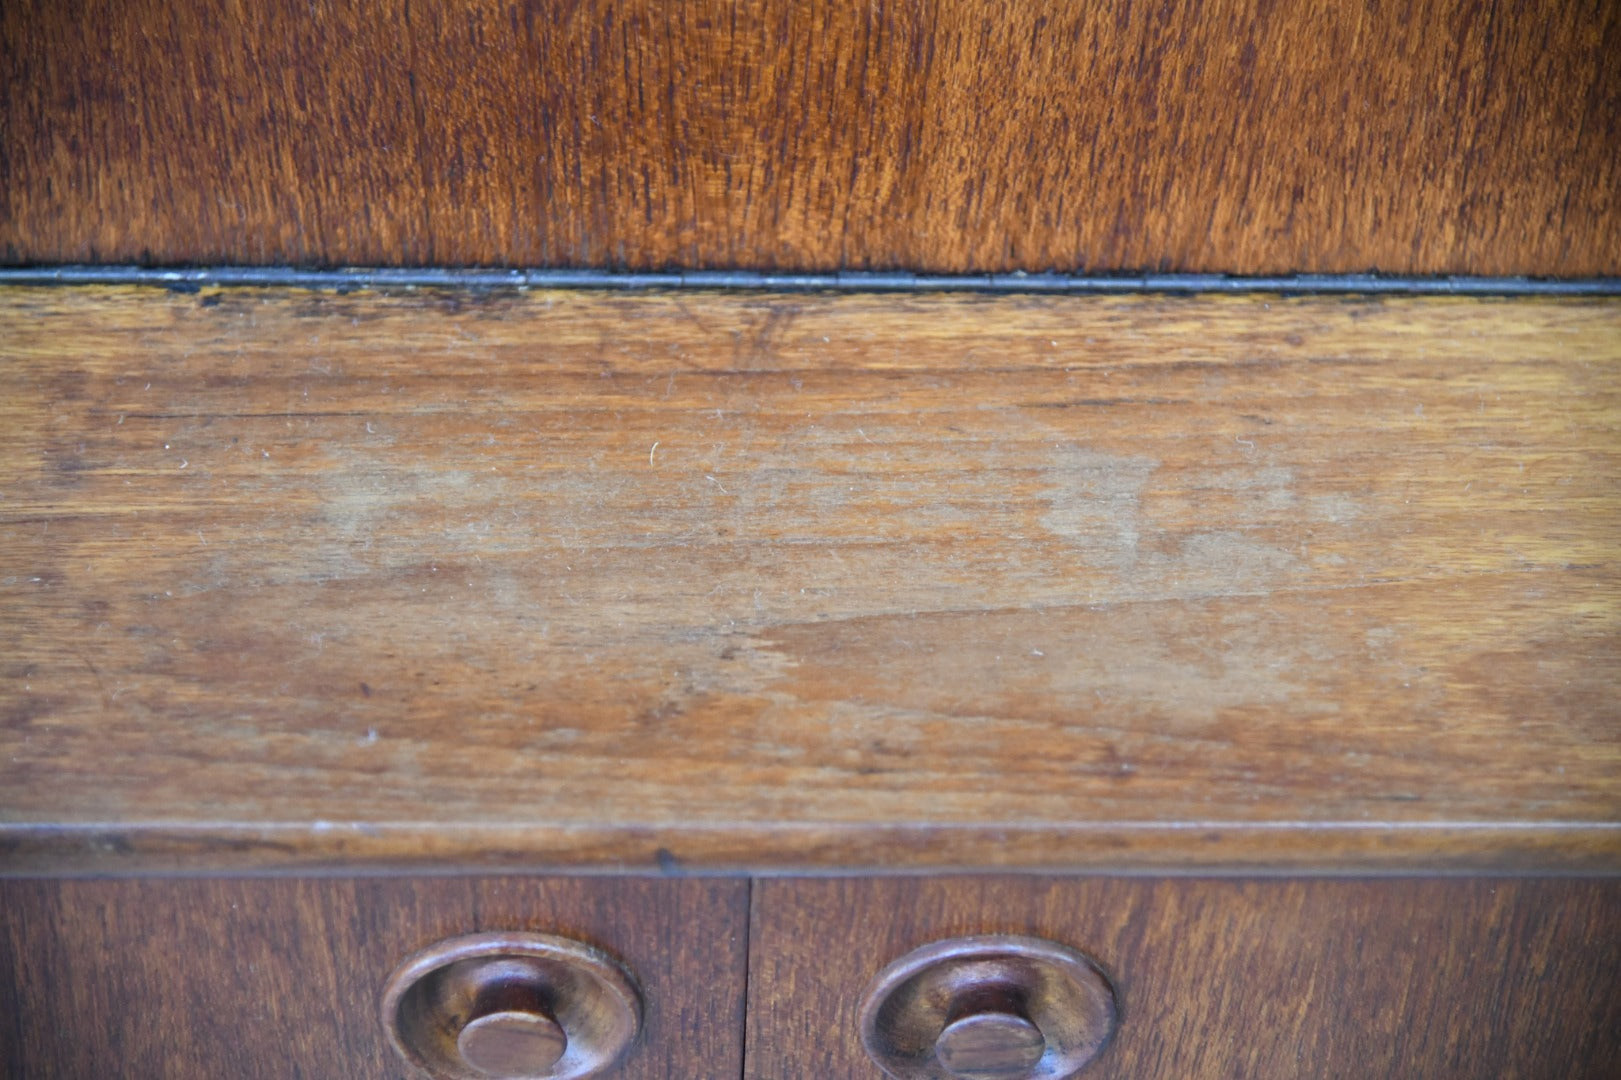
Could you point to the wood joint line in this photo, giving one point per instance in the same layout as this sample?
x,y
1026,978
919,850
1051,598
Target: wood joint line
x,y
191,279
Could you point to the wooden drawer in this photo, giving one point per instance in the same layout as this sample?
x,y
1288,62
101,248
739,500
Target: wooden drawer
x,y
1228,978
1217,978
281,978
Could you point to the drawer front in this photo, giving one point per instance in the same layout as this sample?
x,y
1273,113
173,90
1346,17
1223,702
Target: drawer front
x,y
1227,978
282,979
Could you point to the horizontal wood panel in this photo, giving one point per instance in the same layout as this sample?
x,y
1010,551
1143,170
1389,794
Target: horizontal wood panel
x,y
280,979
704,580
1426,136
1222,979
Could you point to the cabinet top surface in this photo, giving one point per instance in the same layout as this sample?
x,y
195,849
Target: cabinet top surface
x,y
707,582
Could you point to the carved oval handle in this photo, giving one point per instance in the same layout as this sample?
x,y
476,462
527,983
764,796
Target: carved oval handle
x,y
988,1008
511,1006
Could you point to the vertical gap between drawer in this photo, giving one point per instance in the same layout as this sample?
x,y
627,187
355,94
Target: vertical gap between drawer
x,y
748,982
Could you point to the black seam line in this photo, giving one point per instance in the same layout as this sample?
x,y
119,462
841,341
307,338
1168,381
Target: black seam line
x,y
748,976
193,278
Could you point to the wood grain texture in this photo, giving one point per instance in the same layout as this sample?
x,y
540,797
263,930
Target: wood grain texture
x,y
721,581
281,978
1230,979
1240,136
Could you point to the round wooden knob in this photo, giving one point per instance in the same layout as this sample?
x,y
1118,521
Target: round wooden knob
x,y
992,1045
512,1042
511,1007
988,1008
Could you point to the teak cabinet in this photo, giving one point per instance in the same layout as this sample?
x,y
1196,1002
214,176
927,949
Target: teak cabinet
x,y
1260,650
1164,677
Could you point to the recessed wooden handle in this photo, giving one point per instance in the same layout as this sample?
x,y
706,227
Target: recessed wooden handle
x,y
988,1008
511,1006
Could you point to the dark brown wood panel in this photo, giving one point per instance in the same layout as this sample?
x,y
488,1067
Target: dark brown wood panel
x,y
281,979
747,581
1230,979
1421,136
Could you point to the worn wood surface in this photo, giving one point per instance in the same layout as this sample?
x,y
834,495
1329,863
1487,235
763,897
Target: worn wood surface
x,y
702,580
1424,136
1222,979
281,978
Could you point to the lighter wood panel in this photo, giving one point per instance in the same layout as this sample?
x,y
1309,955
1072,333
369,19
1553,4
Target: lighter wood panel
x,y
1426,136
752,581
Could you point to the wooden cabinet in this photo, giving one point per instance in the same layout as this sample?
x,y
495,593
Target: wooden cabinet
x,y
1279,634
1256,648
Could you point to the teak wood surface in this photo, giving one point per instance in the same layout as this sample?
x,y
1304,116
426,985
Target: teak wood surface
x,y
1440,979
1231,136
276,979
747,582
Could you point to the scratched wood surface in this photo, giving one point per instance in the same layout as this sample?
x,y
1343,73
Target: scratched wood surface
x,y
1421,136
746,581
